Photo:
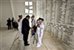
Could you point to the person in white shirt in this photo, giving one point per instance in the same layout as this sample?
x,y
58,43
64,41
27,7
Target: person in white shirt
x,y
20,35
40,31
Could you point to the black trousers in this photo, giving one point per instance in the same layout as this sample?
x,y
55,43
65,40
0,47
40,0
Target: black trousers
x,y
9,27
25,37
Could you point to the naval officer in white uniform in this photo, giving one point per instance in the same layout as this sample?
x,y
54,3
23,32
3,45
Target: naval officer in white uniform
x,y
40,31
20,34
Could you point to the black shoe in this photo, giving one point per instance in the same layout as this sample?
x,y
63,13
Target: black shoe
x,y
27,44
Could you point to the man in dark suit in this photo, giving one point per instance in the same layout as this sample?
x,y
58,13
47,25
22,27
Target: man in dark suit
x,y
25,29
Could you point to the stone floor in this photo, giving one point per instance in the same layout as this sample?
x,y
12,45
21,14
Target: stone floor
x,y
6,38
8,42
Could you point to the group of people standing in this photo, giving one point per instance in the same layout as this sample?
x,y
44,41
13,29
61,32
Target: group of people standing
x,y
11,23
24,27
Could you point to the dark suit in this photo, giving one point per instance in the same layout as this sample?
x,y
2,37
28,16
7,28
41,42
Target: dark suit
x,y
25,30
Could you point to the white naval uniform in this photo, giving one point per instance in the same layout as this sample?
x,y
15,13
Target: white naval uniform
x,y
20,34
40,31
19,28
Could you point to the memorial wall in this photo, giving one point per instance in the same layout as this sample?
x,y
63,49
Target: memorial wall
x,y
61,25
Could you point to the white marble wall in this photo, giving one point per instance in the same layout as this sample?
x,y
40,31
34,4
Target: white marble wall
x,y
62,20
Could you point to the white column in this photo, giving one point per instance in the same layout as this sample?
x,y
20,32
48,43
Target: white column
x,y
11,2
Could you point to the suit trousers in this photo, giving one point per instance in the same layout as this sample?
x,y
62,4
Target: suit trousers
x,y
25,37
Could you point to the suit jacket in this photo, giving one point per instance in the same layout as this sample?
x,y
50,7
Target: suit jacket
x,y
25,26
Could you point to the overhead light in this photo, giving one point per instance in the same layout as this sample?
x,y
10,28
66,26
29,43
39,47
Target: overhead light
x,y
31,11
26,3
30,7
26,10
30,3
